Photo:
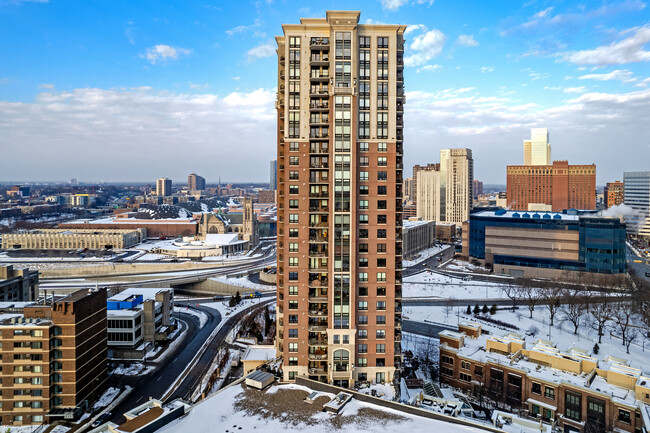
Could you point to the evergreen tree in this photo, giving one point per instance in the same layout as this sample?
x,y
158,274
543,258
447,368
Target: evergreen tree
x,y
237,298
267,320
232,302
596,349
484,310
477,309
493,309
469,310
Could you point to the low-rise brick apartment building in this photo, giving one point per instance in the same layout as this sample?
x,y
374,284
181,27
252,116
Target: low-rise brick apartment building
x,y
53,358
572,390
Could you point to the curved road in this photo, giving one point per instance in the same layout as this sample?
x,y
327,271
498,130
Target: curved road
x,y
156,383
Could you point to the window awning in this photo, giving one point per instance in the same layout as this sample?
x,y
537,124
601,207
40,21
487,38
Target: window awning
x,y
542,404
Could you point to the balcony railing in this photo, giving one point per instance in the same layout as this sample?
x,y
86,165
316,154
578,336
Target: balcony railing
x,y
318,341
317,313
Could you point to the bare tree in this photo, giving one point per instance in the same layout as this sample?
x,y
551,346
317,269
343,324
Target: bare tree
x,y
449,306
573,308
599,315
511,290
632,334
623,318
551,295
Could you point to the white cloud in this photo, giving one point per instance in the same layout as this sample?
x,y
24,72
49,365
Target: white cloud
x,y
261,51
242,29
534,76
643,83
430,68
164,52
236,78
466,41
425,47
485,69
393,5
198,86
629,50
88,131
583,129
620,75
410,28
46,86
578,89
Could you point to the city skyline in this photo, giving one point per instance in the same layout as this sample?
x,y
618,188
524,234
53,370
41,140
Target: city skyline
x,y
187,76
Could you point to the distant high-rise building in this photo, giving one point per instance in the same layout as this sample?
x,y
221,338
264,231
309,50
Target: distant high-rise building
x,y
551,187
444,191
340,201
537,150
164,187
195,182
613,194
408,189
416,169
456,179
637,196
478,188
273,182
428,197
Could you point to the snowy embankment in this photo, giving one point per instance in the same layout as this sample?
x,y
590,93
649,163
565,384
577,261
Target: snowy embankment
x,y
244,282
203,318
423,255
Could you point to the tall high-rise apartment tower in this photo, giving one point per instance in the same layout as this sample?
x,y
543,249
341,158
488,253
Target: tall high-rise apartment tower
x,y
444,191
637,196
340,132
537,150
195,182
163,187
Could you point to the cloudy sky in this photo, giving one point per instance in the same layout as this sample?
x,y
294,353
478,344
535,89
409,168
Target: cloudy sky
x,y
134,90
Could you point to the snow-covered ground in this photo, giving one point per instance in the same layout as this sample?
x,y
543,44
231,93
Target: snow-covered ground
x,y
456,265
203,318
136,368
561,333
244,282
224,409
386,392
431,284
106,398
423,255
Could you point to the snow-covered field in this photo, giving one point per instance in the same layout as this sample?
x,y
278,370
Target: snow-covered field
x,y
431,284
227,410
203,318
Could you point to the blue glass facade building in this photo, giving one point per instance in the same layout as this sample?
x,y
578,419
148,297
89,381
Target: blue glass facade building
x,y
601,240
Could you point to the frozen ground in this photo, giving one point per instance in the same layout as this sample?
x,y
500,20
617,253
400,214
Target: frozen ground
x,y
244,282
434,285
456,265
203,318
561,333
136,368
282,409
423,255
107,398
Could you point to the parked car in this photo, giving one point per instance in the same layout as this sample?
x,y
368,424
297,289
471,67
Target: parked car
x,y
101,419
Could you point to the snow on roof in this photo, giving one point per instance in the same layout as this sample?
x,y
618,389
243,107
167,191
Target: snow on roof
x,y
114,220
259,353
147,293
228,407
529,215
223,239
410,224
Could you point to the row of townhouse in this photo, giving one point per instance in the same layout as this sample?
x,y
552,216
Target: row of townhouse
x,y
571,390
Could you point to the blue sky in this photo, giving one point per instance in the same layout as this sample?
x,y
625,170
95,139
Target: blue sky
x,y
127,90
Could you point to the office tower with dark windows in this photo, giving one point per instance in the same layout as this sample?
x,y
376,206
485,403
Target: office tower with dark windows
x,y
340,139
637,196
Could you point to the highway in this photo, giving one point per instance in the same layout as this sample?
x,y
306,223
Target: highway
x,y
640,265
